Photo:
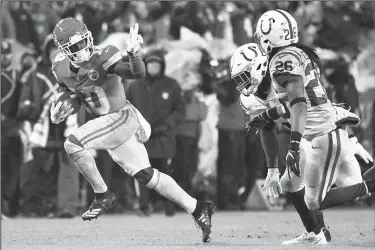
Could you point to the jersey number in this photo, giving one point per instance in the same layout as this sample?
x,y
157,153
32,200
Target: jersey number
x,y
314,90
96,98
281,66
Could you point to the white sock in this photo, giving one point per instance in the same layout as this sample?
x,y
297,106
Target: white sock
x,y
168,188
87,166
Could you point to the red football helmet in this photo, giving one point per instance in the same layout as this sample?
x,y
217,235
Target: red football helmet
x,y
73,39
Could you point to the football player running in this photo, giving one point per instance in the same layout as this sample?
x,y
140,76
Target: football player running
x,y
249,70
94,75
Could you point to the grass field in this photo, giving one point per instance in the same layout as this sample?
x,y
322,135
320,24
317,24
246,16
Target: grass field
x,y
350,229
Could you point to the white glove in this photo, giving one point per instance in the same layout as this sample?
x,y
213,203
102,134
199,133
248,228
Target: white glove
x,y
60,111
345,117
135,40
272,185
360,151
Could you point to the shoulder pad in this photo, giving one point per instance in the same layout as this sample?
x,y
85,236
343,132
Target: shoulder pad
x,y
109,55
288,60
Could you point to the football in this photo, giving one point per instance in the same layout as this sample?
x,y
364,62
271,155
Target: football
x,y
70,97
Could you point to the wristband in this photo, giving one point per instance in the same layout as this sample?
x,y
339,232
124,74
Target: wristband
x,y
295,139
273,171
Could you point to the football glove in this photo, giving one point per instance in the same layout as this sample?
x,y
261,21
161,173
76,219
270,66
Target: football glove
x,y
261,120
292,163
60,111
345,117
272,184
360,151
292,158
135,40
253,126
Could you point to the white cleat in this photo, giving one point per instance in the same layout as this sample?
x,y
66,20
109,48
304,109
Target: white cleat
x,y
308,239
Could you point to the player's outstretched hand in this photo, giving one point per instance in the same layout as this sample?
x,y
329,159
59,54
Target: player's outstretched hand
x,y
135,40
360,151
60,111
272,184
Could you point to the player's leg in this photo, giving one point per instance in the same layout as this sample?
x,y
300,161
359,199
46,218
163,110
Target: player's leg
x,y
133,158
369,175
96,134
318,193
313,221
349,172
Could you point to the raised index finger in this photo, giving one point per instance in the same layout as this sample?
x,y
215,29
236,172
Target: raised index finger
x,y
135,30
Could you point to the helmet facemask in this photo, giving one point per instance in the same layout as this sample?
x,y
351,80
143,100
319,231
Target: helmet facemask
x,y
247,83
79,48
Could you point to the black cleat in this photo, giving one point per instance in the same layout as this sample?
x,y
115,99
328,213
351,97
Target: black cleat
x,y
100,206
203,220
327,234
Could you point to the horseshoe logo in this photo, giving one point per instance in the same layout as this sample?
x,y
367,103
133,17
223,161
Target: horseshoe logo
x,y
253,50
270,21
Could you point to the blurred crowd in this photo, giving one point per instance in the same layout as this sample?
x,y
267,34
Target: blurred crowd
x,y
198,134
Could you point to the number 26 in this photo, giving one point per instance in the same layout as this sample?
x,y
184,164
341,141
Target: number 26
x,y
281,66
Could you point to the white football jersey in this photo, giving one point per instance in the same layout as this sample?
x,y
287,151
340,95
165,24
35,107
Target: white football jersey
x,y
321,115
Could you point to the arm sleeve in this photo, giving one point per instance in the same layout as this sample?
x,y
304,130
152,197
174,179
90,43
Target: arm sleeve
x,y
114,64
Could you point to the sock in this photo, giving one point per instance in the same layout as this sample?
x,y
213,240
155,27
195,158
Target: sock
x,y
369,174
100,195
312,220
87,166
198,209
340,195
168,188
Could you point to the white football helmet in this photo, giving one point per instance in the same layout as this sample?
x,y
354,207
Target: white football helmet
x,y
275,28
248,67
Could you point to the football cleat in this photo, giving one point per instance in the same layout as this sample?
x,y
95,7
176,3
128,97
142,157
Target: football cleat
x,y
308,239
203,220
100,206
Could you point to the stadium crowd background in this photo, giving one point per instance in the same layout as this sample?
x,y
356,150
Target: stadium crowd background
x,y
210,154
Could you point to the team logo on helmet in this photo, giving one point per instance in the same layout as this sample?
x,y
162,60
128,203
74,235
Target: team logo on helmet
x,y
93,74
270,21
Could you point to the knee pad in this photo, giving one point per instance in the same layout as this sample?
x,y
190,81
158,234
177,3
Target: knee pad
x,y
74,148
149,177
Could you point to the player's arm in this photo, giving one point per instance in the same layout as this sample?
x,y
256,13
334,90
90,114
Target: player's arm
x,y
298,105
134,69
270,146
59,111
295,90
287,70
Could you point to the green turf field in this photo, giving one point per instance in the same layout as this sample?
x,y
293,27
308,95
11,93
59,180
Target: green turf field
x,y
350,229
